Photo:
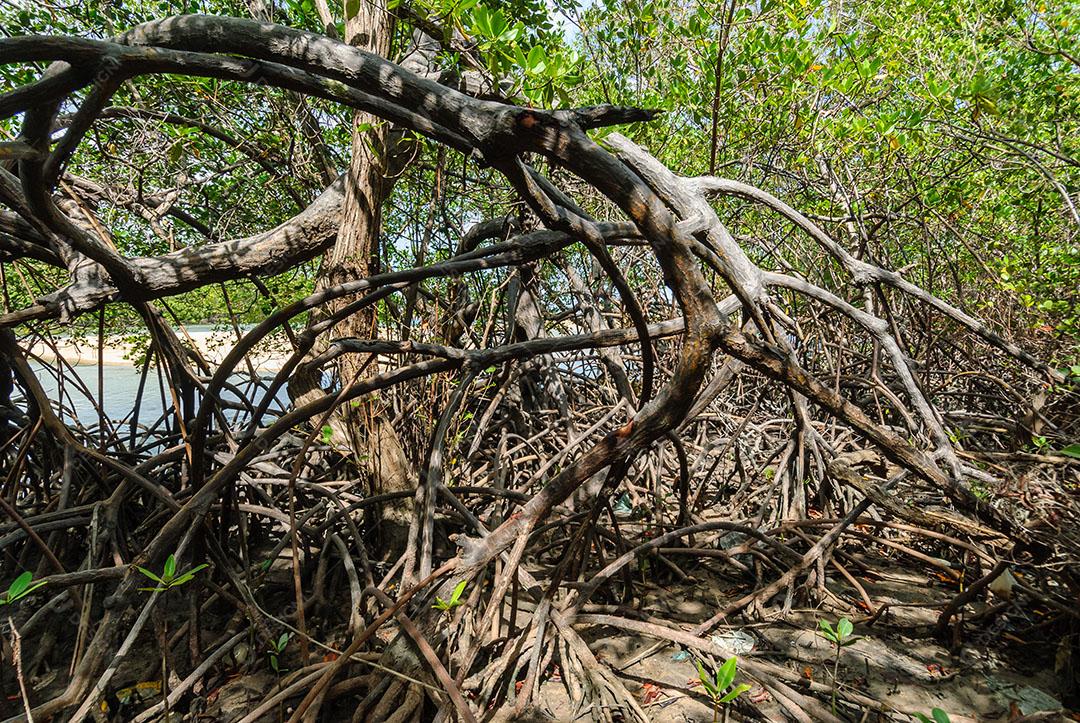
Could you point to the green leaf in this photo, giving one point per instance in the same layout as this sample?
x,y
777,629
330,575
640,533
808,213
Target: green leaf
x,y
170,568
511,34
844,628
197,568
454,599
481,21
149,574
706,680
725,675
735,692
922,718
33,587
498,24
1073,450
327,433
187,576
19,585
282,641
940,716
536,61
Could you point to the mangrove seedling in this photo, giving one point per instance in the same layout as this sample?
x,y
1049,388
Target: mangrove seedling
x,y
455,599
719,686
19,588
937,715
168,580
840,637
277,647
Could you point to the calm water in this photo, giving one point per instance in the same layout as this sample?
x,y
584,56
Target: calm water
x,y
78,393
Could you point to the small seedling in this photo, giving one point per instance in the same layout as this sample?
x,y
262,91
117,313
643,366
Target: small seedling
x,y
455,599
937,715
277,647
720,686
169,578
19,588
840,637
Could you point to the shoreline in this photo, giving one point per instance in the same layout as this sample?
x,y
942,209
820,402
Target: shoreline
x,y
268,356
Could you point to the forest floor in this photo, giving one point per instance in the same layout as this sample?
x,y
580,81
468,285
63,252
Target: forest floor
x,y
994,674
1000,660
995,666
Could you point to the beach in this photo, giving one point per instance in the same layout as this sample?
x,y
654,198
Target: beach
x,y
213,343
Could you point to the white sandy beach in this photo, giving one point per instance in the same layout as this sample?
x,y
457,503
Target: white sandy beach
x,y
268,356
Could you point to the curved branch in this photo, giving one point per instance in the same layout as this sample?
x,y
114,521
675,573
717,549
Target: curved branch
x,y
295,241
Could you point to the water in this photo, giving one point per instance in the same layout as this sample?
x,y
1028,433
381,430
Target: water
x,y
77,393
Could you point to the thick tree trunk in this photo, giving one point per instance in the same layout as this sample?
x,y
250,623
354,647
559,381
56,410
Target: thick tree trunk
x,y
369,433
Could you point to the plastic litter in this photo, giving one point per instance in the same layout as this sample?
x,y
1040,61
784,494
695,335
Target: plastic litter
x,y
734,642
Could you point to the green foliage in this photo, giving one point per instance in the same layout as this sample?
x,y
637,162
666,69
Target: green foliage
x,y
937,715
720,686
839,636
169,578
541,72
19,588
959,119
1072,450
277,647
454,601
953,127
896,99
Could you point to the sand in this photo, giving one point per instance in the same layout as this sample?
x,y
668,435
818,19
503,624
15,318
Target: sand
x,y
268,356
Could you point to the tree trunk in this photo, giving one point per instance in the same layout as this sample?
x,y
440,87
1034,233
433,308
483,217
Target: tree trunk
x,y
367,429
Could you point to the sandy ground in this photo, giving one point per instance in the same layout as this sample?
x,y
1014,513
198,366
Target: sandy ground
x,y
268,356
